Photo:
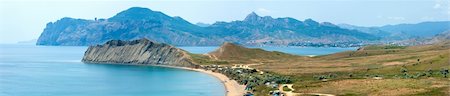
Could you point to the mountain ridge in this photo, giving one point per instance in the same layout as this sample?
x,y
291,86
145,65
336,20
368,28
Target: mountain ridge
x,y
138,22
403,31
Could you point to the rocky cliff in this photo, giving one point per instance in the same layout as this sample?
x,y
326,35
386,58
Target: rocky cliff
x,y
138,52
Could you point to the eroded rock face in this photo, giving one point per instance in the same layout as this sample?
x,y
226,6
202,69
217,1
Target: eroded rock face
x,y
137,52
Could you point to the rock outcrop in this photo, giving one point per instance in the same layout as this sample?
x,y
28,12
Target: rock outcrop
x,y
137,52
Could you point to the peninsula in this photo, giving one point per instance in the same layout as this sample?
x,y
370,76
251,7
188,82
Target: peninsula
x,y
138,52
146,52
370,70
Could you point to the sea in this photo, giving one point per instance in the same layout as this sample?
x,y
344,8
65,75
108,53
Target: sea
x,y
29,70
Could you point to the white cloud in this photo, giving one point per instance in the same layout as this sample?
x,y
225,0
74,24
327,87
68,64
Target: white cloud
x,y
437,6
380,16
396,18
427,18
391,17
448,9
443,6
263,11
448,12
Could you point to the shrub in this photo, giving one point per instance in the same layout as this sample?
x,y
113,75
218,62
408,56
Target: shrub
x,y
285,88
403,70
444,72
429,72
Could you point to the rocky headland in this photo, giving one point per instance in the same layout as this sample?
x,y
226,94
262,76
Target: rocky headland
x,y
137,52
237,79
261,72
146,52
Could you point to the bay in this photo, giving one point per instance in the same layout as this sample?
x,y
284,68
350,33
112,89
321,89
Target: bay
x,y
29,70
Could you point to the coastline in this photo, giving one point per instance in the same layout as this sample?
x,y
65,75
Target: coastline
x,y
232,88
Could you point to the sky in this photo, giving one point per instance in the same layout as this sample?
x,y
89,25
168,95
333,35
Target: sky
x,y
22,20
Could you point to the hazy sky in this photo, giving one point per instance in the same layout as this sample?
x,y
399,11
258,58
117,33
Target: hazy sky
x,y
25,19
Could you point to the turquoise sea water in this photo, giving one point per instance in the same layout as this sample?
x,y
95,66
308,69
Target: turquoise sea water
x,y
28,70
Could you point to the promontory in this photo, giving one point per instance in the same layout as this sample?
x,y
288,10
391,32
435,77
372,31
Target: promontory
x,y
137,52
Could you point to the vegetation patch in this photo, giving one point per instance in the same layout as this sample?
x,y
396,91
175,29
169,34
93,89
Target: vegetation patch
x,y
285,88
369,87
383,47
205,60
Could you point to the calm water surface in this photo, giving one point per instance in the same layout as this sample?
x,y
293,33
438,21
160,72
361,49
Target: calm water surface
x,y
28,70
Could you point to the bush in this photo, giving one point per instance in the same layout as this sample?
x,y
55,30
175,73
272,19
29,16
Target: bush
x,y
403,70
350,75
429,72
321,77
444,72
285,88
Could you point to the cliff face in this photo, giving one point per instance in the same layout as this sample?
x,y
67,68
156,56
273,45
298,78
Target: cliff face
x,y
138,52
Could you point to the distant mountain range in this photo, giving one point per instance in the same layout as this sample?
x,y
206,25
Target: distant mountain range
x,y
255,30
137,23
403,31
441,37
202,24
134,23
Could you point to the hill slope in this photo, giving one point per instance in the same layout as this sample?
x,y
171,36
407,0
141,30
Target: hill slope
x,y
423,29
403,31
255,30
131,24
238,54
370,70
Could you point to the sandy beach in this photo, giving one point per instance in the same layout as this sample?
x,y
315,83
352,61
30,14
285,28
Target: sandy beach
x,y
232,87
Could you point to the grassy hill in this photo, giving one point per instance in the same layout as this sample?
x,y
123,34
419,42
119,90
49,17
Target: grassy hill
x,y
413,70
370,57
238,54
405,70
230,53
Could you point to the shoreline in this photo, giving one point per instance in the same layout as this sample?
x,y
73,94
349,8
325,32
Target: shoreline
x,y
232,88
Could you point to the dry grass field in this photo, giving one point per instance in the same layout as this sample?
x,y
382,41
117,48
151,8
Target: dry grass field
x,y
401,71
372,58
383,87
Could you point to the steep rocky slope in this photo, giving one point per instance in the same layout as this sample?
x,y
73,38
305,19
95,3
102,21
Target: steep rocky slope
x,y
131,24
139,52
